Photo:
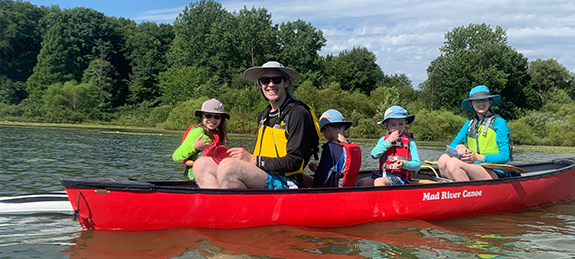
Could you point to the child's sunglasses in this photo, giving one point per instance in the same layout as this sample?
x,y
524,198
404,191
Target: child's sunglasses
x,y
209,116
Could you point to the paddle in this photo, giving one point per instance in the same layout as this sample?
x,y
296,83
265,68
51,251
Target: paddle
x,y
502,167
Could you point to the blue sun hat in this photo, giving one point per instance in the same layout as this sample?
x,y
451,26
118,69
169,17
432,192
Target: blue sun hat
x,y
477,93
397,112
332,116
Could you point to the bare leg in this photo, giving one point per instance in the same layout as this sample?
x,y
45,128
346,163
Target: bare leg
x,y
381,181
477,172
205,170
457,170
442,165
367,181
237,174
451,168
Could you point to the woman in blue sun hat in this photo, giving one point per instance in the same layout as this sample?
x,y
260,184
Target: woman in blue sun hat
x,y
487,137
396,151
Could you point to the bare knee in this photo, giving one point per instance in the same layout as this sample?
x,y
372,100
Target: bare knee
x,y
443,160
202,166
367,181
381,181
205,173
235,174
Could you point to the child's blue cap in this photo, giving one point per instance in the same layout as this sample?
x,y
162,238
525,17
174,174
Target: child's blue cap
x,y
477,93
397,112
332,116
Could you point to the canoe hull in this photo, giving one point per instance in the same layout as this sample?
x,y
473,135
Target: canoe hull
x,y
116,208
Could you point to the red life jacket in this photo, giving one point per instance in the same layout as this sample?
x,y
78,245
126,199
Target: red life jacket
x,y
399,150
351,164
345,168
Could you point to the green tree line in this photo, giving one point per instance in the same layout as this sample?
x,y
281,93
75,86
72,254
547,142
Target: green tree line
x,y
80,66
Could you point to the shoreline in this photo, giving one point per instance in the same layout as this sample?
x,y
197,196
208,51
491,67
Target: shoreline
x,y
436,145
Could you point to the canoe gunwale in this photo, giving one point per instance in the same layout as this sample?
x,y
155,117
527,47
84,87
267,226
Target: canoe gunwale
x,y
125,184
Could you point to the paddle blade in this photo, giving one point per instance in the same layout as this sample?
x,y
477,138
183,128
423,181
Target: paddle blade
x,y
506,168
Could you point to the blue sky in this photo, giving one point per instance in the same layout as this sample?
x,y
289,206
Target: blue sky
x,y
404,35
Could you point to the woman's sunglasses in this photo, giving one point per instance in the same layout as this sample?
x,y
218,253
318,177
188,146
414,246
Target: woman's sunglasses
x,y
275,79
209,116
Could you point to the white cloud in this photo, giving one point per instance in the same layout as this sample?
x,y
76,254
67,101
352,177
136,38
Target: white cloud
x,y
406,35
167,15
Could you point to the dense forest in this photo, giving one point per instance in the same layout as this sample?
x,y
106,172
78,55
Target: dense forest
x,y
80,66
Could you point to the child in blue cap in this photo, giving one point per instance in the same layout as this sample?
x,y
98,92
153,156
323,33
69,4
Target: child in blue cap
x,y
338,156
396,151
487,137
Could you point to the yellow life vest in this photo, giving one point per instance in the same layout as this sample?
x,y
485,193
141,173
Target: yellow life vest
x,y
272,140
481,135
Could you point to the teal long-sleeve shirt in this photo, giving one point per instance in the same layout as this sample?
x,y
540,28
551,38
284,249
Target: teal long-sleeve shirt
x,y
501,138
384,145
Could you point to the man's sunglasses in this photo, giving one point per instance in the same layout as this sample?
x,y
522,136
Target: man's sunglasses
x,y
209,116
275,79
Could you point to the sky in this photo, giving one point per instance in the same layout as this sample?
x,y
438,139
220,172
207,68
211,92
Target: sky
x,y
404,35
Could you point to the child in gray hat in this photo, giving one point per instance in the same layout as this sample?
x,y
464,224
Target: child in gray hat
x,y
201,139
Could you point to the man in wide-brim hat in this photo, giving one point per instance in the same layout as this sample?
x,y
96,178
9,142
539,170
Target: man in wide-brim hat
x,y
288,135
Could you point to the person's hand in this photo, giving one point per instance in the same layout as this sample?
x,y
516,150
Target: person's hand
x,y
398,164
393,136
462,150
470,157
242,154
244,146
312,167
201,145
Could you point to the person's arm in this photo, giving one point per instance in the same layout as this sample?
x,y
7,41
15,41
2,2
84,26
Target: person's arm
x,y
380,148
502,140
461,136
186,149
414,164
299,127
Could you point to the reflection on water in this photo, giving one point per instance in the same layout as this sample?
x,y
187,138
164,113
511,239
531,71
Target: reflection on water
x,y
33,160
44,235
513,234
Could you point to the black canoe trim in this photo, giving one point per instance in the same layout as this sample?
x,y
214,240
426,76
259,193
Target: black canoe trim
x,y
108,182
17,199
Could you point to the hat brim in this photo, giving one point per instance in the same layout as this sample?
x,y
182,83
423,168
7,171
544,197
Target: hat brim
x,y
198,113
496,99
251,74
409,119
347,124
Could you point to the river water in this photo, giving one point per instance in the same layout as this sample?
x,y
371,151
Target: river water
x,y
32,160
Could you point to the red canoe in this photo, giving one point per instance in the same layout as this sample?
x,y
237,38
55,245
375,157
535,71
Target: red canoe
x,y
120,203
